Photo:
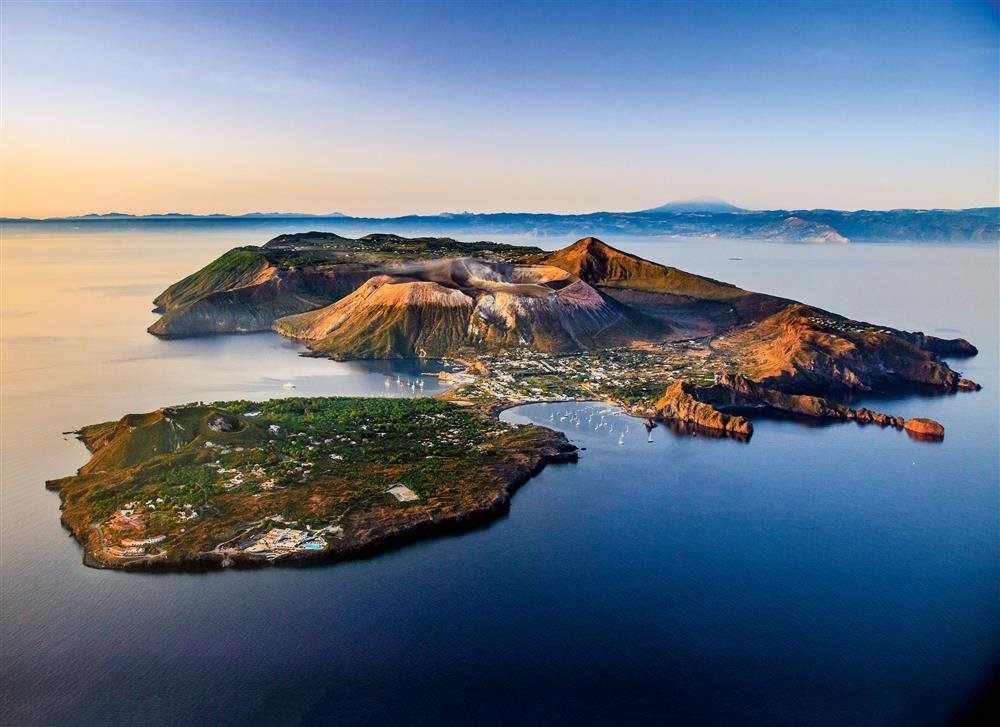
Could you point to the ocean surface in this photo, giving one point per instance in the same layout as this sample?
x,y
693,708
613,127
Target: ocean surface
x,y
816,575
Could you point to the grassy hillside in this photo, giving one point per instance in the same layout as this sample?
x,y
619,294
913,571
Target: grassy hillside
x,y
234,269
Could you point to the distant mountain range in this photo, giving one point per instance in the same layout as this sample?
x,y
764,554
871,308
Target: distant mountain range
x,y
169,215
703,217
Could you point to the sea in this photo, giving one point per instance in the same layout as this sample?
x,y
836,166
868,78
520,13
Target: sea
x,y
822,575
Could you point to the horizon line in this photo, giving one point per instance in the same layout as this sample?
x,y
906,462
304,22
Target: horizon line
x,y
97,216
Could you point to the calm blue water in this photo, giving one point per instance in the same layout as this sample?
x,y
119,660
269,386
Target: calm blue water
x,y
832,575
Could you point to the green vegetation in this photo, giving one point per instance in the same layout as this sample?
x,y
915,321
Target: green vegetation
x,y
382,247
233,269
205,483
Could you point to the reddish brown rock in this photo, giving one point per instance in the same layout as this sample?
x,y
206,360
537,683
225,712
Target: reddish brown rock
x,y
807,350
867,416
680,402
738,391
924,428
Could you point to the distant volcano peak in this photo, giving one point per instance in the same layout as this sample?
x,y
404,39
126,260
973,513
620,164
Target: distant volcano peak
x,y
697,204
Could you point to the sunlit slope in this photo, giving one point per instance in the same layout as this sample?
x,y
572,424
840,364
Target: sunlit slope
x,y
237,268
691,305
808,349
385,319
465,304
600,264
138,438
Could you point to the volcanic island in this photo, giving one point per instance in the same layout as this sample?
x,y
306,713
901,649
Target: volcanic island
x,y
305,480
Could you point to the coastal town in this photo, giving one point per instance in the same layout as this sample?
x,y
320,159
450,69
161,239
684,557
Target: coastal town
x,y
631,377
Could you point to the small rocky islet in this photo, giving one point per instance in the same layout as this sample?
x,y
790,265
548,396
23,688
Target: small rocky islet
x,y
318,479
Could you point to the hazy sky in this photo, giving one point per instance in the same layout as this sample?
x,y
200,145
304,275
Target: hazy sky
x,y
384,108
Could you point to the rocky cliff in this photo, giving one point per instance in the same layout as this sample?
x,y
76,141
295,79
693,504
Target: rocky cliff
x,y
683,401
806,350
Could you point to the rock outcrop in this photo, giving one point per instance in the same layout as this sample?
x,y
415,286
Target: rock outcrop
x,y
721,405
739,392
924,428
957,347
681,402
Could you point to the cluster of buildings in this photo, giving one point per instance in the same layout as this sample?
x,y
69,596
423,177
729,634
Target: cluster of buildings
x,y
131,548
126,518
238,478
282,541
520,375
846,326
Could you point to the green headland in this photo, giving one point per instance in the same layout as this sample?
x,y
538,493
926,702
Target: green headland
x,y
291,480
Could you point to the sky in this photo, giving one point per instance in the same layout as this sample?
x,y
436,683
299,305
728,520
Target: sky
x,y
395,108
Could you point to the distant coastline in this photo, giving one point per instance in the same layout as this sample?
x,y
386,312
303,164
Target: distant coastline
x,y
681,220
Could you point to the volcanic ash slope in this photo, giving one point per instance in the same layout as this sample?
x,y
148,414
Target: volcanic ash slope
x,y
436,309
